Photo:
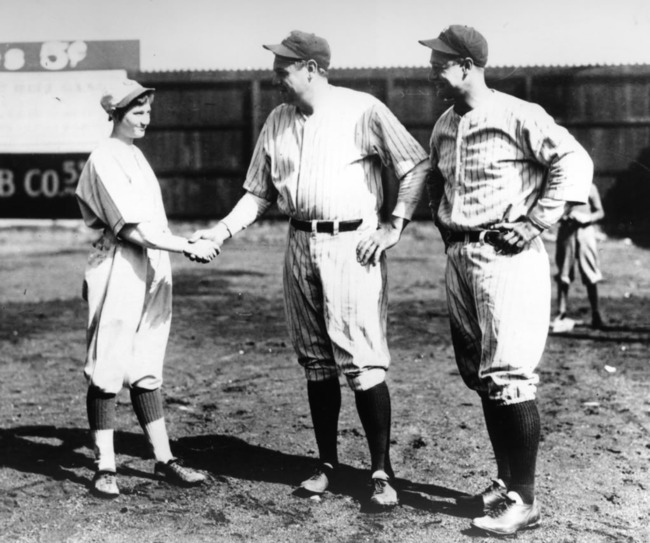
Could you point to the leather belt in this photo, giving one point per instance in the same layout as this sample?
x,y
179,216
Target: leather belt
x,y
325,227
475,236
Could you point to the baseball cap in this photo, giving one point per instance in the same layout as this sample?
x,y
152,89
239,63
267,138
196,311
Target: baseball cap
x,y
121,94
461,40
303,46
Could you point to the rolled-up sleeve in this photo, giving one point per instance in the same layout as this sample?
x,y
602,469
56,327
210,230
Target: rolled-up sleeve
x,y
258,178
106,192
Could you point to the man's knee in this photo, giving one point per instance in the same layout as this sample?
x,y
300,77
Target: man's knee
x,y
366,379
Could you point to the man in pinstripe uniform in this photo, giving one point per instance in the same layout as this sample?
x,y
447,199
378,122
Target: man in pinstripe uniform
x,y
319,156
502,172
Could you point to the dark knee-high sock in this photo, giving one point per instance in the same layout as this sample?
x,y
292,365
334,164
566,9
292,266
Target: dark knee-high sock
x,y
100,407
325,405
148,407
147,404
522,441
496,429
374,410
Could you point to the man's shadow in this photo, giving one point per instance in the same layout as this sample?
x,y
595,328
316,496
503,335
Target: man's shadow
x,y
58,453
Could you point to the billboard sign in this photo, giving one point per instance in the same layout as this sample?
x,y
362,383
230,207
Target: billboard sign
x,y
75,55
51,119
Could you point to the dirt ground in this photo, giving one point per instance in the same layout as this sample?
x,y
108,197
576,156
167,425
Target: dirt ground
x,y
237,408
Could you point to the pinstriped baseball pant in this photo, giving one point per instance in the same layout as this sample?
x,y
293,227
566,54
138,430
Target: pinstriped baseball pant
x,y
336,309
499,309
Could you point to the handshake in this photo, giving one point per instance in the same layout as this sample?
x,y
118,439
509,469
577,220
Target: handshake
x,y
205,245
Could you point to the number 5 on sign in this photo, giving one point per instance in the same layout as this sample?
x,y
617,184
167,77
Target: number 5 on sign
x,y
55,55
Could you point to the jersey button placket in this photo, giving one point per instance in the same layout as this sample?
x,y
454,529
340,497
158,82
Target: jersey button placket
x,y
298,203
460,174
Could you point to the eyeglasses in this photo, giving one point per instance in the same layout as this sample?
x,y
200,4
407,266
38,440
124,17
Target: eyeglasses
x,y
439,67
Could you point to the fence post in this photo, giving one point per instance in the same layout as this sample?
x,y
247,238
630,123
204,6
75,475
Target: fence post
x,y
389,85
254,113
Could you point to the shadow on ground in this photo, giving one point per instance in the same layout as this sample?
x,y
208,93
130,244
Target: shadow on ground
x,y
58,453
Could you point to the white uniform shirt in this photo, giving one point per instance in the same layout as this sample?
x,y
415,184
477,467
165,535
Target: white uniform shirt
x,y
499,159
327,166
128,287
118,187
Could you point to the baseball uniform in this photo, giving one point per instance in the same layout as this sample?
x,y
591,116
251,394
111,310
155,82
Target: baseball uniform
x,y
327,166
502,172
576,243
319,156
499,162
129,288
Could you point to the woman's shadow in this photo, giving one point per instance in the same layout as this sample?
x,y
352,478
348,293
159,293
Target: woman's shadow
x,y
60,453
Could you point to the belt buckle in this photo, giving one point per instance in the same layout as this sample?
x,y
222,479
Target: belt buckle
x,y
487,236
314,227
335,227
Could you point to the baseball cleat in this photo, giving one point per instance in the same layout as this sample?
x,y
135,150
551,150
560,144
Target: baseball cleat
x,y
492,496
383,494
105,485
320,480
509,516
175,473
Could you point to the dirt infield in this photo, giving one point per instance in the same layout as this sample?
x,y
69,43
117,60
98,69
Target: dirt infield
x,y
237,408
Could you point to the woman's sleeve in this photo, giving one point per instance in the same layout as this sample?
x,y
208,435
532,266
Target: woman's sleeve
x,y
119,200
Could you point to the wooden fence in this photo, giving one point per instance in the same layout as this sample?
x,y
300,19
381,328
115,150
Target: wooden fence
x,y
206,124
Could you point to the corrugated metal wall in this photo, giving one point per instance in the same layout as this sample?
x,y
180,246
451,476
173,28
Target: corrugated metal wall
x,y
206,123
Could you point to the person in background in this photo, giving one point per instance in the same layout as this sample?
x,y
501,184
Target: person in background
x,y
576,244
128,287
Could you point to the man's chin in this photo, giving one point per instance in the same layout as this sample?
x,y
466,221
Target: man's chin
x,y
287,98
444,94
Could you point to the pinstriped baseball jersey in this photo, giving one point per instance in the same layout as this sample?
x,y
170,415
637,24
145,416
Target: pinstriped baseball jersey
x,y
497,161
327,166
500,158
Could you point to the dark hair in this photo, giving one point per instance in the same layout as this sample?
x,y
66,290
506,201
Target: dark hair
x,y
144,98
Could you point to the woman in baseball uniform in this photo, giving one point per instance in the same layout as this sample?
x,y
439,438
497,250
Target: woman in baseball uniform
x,y
128,286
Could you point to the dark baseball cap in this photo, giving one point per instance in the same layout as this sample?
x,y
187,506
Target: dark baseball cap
x,y
303,46
463,41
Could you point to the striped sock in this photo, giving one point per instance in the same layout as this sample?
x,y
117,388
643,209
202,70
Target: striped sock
x,y
148,407
147,404
100,407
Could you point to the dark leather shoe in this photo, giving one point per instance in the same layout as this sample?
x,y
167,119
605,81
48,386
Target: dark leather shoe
x,y
175,473
486,500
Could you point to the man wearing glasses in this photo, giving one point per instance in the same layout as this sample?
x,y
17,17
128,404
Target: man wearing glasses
x,y
502,172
